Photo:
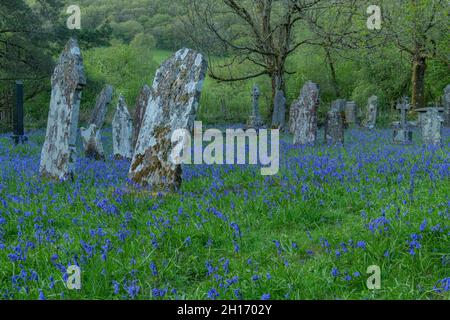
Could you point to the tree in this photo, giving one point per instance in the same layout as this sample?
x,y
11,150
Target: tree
x,y
418,28
262,33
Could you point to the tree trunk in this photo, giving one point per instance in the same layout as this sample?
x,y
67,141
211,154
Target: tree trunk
x,y
419,68
334,82
278,84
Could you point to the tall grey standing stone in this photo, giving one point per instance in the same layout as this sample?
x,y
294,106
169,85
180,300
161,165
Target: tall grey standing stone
x,y
371,112
279,110
402,129
303,115
139,112
334,128
91,137
446,103
432,128
122,129
173,105
255,118
101,106
59,150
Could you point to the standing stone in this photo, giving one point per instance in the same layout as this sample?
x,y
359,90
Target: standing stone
x,y
91,137
101,106
303,115
122,128
432,128
92,142
279,110
350,112
59,150
446,103
255,118
371,112
334,128
402,129
139,112
172,105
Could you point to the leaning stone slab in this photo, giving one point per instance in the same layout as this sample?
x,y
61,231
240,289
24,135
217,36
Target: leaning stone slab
x,y
59,150
173,105
303,115
92,142
139,112
101,106
122,130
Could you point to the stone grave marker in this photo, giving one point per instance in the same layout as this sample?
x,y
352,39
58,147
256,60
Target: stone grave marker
x,y
431,126
59,150
122,129
303,115
402,129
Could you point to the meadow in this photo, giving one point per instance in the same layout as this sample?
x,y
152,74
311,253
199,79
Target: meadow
x,y
309,232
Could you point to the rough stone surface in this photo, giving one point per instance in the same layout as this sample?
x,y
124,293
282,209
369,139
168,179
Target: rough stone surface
x,y
122,128
139,112
255,118
446,103
432,128
402,129
334,128
172,105
59,150
101,106
92,142
303,115
350,112
371,112
279,110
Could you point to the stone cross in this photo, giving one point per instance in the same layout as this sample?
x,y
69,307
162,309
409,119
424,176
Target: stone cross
x,y
122,131
18,128
303,115
173,104
432,128
402,130
59,151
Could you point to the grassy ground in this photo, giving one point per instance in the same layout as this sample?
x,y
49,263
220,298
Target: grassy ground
x,y
309,232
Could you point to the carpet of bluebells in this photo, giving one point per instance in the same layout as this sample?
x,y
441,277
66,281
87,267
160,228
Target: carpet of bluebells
x,y
309,232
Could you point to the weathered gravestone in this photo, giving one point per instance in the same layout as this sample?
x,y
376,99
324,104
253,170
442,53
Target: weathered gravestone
x,y
59,150
91,136
139,112
432,128
92,142
446,104
172,105
255,118
350,112
402,129
279,110
122,130
303,115
371,112
334,128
